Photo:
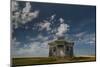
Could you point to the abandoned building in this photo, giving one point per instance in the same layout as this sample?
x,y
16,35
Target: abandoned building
x,y
61,48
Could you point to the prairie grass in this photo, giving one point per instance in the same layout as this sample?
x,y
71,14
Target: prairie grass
x,y
49,60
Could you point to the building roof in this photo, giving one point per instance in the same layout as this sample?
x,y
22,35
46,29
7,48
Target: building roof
x,y
60,42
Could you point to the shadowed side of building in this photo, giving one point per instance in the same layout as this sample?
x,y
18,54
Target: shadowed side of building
x,y
61,48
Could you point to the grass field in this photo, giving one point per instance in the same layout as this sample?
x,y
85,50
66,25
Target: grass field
x,y
49,60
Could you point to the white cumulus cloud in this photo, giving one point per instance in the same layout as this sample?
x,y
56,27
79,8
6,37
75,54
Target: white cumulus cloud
x,y
22,16
52,17
14,5
45,25
61,20
62,28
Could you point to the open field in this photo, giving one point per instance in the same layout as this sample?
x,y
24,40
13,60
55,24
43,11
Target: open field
x,y
49,60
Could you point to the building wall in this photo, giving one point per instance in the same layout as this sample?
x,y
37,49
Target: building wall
x,y
61,50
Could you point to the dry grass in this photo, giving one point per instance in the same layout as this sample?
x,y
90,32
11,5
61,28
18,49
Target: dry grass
x,y
49,60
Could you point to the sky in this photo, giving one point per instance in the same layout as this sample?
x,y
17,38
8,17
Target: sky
x,y
35,24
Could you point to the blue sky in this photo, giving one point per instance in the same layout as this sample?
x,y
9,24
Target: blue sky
x,y
35,24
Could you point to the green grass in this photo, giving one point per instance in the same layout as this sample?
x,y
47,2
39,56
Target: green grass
x,y
49,60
